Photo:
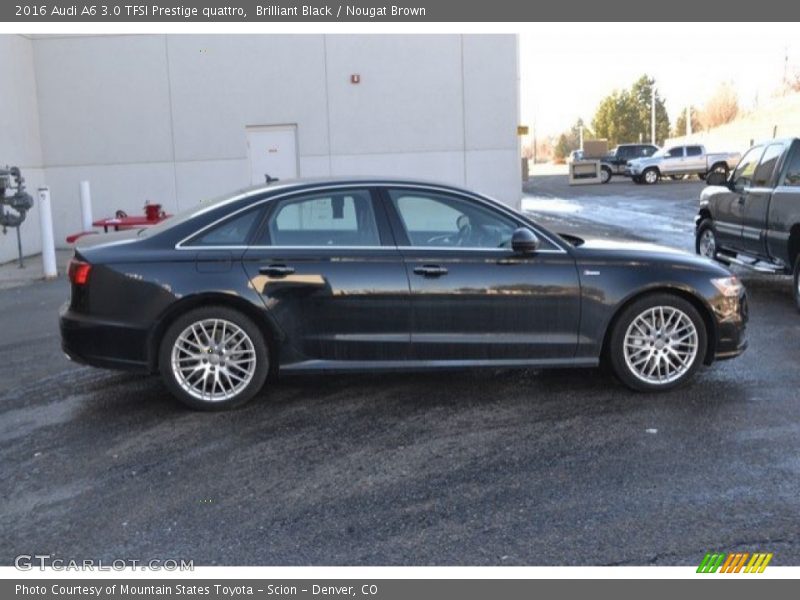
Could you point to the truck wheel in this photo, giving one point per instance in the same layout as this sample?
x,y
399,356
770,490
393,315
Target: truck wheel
x,y
720,168
797,282
650,176
605,174
657,343
705,242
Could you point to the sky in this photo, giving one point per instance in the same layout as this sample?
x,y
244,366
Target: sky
x,y
567,68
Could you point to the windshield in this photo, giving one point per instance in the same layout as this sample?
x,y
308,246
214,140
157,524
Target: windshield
x,y
190,213
659,154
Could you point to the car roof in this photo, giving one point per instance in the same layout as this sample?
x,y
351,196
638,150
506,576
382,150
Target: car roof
x,y
287,185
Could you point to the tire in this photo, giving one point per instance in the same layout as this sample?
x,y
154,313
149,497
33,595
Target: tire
x,y
650,176
648,359
720,168
238,367
605,174
797,283
705,241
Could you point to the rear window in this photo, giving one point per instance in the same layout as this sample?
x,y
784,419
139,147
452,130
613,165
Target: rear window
x,y
190,213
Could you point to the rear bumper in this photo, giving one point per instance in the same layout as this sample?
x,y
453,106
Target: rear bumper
x,y
100,343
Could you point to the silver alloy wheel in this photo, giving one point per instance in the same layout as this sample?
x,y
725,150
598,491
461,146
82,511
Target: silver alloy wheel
x,y
605,175
660,345
650,176
213,360
708,244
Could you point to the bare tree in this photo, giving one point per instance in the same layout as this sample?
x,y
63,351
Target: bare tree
x,y
721,108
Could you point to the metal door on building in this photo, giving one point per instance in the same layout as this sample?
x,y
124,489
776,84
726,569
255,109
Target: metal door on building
x,y
272,150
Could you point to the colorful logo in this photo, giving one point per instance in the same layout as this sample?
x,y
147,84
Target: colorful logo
x,y
734,562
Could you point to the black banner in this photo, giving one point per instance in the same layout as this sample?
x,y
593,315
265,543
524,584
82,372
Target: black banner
x,y
391,589
310,11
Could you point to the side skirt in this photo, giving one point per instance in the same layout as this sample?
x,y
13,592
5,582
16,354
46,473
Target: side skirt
x,y
424,365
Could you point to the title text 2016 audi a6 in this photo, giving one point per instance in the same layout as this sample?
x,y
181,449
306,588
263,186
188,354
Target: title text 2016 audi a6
x,y
386,274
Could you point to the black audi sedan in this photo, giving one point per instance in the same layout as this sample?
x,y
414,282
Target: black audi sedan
x,y
378,274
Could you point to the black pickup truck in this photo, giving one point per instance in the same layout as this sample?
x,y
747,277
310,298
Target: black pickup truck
x,y
752,217
616,160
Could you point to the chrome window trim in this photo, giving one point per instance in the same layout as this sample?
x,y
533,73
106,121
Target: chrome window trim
x,y
491,205
396,248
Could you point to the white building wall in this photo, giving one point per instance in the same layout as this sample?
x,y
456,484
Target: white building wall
x,y
19,135
163,118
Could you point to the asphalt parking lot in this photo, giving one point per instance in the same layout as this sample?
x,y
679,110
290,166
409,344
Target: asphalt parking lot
x,y
479,467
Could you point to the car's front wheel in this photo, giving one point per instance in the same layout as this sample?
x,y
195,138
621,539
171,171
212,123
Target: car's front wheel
x,y
213,358
705,242
650,176
605,174
657,343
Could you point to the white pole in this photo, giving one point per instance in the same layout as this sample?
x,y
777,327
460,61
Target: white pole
x,y
86,206
580,135
48,242
653,117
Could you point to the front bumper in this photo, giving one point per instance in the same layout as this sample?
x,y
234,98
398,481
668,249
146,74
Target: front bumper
x,y
100,343
732,330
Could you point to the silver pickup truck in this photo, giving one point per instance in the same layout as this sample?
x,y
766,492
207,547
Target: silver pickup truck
x,y
678,161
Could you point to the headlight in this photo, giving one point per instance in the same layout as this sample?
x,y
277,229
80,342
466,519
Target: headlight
x,y
730,287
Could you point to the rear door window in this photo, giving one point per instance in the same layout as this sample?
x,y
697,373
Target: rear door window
x,y
694,151
792,176
329,218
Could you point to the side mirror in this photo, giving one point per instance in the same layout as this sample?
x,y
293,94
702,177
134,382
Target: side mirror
x,y
524,241
716,178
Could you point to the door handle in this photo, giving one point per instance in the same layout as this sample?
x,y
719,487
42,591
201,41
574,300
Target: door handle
x,y
430,271
276,270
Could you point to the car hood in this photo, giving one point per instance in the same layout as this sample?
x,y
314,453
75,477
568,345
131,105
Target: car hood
x,y
644,161
636,251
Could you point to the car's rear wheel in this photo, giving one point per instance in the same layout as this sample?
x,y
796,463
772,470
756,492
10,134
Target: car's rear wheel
x,y
605,174
705,243
650,176
214,358
658,343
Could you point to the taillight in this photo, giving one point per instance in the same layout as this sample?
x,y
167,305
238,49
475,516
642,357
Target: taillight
x,y
79,272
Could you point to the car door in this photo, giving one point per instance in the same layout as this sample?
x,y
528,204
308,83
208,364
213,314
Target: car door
x,y
730,207
621,158
695,160
756,201
327,268
472,297
673,161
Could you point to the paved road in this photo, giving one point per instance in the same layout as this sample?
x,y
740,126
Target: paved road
x,y
559,467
